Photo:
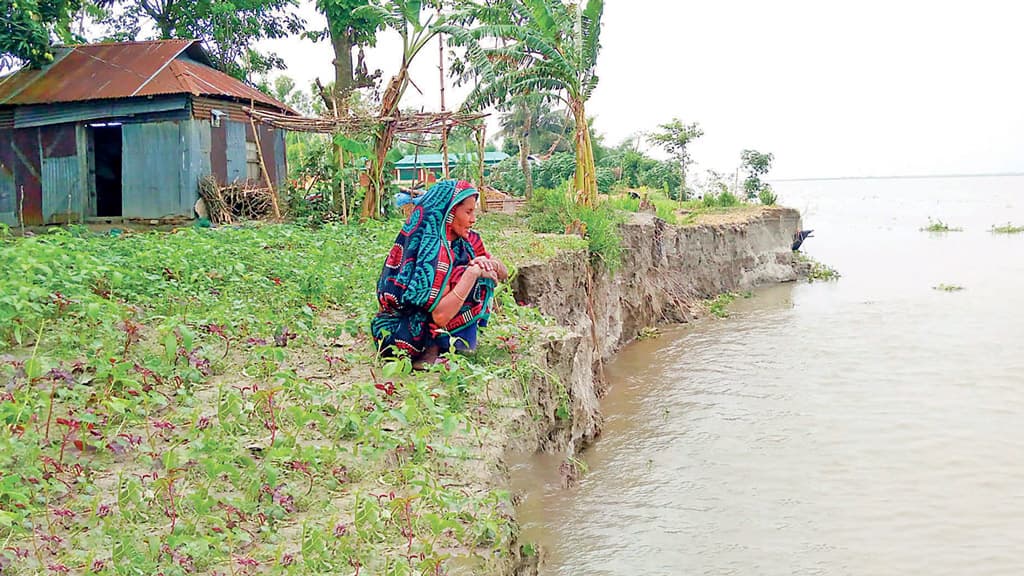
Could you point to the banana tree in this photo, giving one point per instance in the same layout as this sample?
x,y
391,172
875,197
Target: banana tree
x,y
416,29
521,47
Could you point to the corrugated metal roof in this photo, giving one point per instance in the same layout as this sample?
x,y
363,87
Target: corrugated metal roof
x,y
434,160
123,70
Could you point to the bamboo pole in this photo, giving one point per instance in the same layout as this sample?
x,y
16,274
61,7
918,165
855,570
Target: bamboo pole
x,y
341,169
481,136
444,124
263,165
21,210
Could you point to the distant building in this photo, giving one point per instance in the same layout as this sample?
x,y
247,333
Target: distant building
x,y
420,168
127,130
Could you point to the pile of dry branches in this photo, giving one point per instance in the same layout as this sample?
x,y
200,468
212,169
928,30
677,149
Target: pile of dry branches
x,y
236,202
415,123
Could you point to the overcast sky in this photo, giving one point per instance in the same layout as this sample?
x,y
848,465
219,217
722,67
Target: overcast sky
x,y
862,88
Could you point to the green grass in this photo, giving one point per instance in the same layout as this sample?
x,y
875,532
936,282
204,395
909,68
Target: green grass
x,y
518,245
207,400
939,226
554,212
1008,228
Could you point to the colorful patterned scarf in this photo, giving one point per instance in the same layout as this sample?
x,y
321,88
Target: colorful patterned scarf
x,y
420,267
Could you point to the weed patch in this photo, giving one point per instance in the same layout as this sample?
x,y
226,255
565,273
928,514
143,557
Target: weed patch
x,y
553,211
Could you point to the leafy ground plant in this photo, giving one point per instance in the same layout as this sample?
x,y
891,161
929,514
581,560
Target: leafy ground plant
x,y
206,401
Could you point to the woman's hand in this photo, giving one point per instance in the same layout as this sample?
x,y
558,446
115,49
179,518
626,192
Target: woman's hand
x,y
492,268
483,262
484,271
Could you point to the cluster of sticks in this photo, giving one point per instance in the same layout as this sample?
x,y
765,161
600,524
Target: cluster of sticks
x,y
236,202
417,123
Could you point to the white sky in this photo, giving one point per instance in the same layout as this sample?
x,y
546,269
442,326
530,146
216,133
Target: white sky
x,y
831,89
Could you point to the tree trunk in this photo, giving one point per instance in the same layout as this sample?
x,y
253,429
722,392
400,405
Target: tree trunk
x,y
343,80
343,85
524,146
585,179
682,181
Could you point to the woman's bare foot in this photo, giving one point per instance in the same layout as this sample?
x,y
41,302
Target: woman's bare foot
x,y
424,360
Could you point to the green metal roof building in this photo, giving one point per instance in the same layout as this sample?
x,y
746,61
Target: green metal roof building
x,y
416,167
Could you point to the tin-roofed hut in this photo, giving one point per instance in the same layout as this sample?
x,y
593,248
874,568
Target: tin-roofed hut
x,y
126,131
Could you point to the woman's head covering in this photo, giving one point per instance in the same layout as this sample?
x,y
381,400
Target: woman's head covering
x,y
422,261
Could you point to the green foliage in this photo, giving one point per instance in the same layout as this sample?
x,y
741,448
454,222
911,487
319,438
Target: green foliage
x,y
1007,229
554,211
766,196
816,270
939,226
28,26
605,179
724,199
543,47
349,27
634,165
553,172
204,399
719,306
675,137
229,29
507,177
665,207
648,333
314,190
756,165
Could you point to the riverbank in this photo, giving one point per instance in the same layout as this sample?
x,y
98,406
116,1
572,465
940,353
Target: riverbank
x,y
207,400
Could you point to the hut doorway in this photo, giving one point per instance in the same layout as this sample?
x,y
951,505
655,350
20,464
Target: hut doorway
x,y
106,151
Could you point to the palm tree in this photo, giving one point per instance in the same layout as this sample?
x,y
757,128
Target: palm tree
x,y
545,47
516,123
534,125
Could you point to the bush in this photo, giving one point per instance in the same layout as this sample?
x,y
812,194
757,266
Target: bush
x,y
605,180
767,197
554,211
548,210
723,199
662,174
508,177
555,170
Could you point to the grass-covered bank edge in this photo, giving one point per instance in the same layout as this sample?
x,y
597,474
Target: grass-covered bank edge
x,y
207,401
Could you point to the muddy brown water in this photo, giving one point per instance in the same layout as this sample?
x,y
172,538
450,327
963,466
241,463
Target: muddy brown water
x,y
869,426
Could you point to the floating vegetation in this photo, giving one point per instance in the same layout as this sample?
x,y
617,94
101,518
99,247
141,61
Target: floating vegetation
x,y
719,305
948,288
1007,229
939,226
648,332
815,270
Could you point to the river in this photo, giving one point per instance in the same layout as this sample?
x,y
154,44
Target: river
x,y
873,425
